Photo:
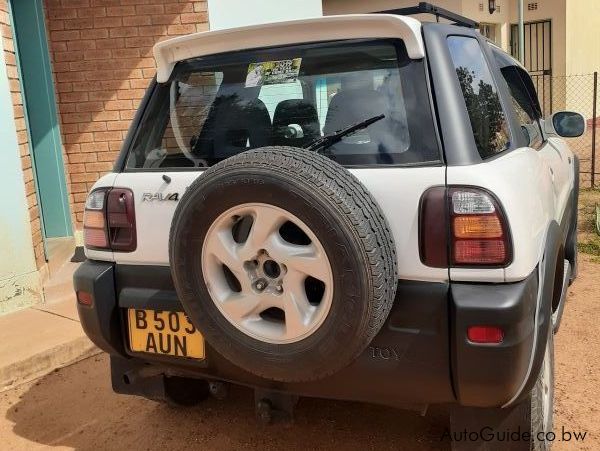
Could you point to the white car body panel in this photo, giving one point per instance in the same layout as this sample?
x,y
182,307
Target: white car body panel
x,y
397,190
560,157
330,28
532,197
532,187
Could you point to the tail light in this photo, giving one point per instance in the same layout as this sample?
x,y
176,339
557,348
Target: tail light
x,y
109,220
479,230
95,233
463,226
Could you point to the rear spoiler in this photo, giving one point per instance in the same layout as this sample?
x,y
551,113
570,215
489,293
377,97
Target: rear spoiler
x,y
329,28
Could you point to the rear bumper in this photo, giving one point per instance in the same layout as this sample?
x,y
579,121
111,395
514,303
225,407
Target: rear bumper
x,y
420,356
490,375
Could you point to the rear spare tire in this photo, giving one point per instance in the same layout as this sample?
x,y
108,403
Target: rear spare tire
x,y
284,262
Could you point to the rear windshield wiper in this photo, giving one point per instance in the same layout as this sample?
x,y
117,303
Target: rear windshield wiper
x,y
326,141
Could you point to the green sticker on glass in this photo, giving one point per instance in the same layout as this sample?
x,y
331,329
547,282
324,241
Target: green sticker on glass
x,y
273,72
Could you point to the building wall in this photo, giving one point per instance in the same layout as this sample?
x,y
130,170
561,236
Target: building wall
x,y
582,55
259,11
508,13
478,10
583,42
555,10
19,278
16,100
101,53
331,7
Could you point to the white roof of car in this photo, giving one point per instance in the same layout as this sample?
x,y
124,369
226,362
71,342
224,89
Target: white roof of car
x,y
329,28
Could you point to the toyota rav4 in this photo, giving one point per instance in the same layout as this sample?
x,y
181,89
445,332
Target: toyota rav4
x,y
358,207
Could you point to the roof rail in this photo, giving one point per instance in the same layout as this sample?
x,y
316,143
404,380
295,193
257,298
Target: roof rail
x,y
428,8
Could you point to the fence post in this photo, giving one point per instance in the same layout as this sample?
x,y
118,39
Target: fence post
x,y
594,120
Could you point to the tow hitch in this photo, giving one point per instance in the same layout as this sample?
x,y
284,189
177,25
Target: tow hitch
x,y
273,406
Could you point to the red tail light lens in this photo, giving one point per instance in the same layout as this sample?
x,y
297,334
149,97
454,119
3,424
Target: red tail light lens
x,y
109,220
479,251
463,226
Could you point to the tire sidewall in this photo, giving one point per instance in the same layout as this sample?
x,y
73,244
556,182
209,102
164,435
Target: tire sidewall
x,y
340,332
537,418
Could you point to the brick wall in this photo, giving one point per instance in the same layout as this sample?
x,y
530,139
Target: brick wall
x,y
101,53
17,99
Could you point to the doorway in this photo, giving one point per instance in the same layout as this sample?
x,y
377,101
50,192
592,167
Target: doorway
x,y
39,103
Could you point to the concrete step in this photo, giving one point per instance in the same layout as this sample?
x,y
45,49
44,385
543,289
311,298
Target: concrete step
x,y
60,251
60,284
38,340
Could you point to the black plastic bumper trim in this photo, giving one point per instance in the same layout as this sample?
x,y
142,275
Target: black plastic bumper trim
x,y
489,375
421,354
101,320
149,298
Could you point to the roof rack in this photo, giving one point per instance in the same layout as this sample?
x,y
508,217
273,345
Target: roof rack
x,y
428,8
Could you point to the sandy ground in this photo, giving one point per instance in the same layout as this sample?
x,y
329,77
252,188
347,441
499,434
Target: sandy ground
x,y
74,408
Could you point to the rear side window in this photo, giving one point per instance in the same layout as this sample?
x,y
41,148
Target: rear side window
x,y
523,98
481,96
219,106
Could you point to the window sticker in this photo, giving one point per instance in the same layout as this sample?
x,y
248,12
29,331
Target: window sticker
x,y
273,72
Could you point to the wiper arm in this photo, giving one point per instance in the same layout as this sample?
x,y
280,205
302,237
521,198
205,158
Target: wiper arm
x,y
326,141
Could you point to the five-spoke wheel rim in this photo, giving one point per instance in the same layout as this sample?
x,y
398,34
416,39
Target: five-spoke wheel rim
x,y
267,273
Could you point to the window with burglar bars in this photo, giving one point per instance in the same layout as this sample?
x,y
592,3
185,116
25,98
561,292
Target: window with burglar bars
x,y
538,57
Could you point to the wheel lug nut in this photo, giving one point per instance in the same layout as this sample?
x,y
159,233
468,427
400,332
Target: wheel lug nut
x,y
260,285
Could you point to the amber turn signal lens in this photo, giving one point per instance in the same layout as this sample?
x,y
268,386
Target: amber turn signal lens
x,y
93,219
477,227
84,298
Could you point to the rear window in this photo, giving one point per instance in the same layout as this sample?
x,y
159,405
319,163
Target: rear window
x,y
219,106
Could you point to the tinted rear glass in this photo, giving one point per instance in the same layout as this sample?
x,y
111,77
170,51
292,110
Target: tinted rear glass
x,y
488,122
222,105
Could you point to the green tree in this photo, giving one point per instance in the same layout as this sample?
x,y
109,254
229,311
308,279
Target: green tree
x,y
485,112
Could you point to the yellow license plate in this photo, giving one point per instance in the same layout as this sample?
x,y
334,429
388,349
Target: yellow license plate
x,y
162,332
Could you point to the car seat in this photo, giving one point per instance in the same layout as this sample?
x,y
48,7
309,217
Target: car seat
x,y
234,124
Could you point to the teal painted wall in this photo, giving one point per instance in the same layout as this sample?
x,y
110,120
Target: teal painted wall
x,y
19,279
40,108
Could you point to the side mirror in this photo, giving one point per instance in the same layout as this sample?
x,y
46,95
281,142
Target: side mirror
x,y
567,124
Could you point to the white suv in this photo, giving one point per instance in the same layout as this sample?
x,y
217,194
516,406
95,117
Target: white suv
x,y
359,207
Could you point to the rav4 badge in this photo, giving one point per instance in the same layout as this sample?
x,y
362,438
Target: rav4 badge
x,y
160,197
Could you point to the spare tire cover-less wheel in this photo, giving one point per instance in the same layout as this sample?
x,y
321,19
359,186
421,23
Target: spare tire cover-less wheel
x,y
284,262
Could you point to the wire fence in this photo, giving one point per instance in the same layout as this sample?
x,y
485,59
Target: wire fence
x,y
575,93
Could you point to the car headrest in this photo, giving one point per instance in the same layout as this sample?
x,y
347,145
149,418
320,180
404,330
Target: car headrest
x,y
232,124
295,123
